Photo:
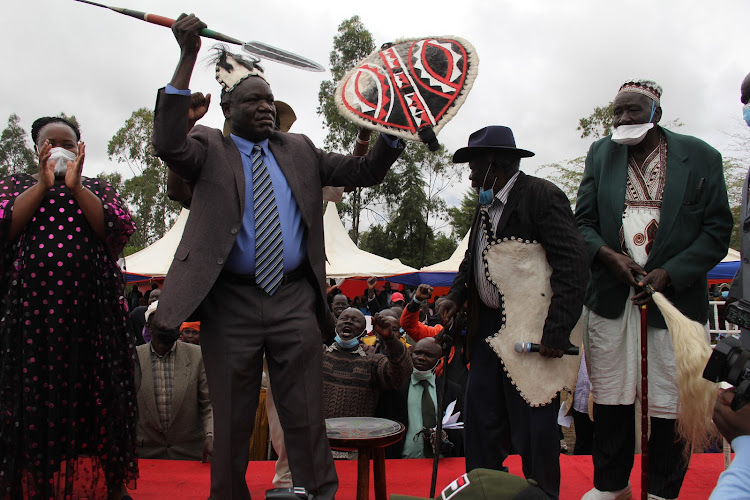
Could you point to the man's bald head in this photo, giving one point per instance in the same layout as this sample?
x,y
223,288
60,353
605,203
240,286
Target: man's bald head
x,y
745,90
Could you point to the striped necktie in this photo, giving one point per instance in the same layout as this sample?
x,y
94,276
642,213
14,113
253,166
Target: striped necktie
x,y
269,255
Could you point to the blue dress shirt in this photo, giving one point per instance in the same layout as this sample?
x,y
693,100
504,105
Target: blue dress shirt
x,y
241,259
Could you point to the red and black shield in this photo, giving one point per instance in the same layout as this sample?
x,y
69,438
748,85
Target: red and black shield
x,y
409,86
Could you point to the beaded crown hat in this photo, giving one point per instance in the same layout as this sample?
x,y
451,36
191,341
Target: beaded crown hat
x,y
649,88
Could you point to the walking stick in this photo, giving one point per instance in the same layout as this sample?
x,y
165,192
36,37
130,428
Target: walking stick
x,y
447,344
644,403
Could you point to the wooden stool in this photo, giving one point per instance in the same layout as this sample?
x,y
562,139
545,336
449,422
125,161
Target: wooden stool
x,y
366,434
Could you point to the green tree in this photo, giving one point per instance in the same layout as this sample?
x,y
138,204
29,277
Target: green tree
x,y
352,43
409,204
735,171
415,211
15,153
567,174
461,217
598,124
72,119
146,191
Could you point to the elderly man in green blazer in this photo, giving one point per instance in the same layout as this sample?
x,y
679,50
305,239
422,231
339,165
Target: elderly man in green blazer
x,y
653,209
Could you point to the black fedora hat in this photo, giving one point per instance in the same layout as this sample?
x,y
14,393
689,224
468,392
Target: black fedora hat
x,y
492,138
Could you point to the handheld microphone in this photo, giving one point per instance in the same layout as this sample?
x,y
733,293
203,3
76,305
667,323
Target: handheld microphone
x,y
522,347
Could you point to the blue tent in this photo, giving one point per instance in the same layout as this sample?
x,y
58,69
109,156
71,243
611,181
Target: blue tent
x,y
723,272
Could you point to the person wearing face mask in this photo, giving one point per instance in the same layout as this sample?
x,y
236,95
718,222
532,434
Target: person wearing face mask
x,y
530,217
414,328
653,209
741,287
352,379
67,387
410,405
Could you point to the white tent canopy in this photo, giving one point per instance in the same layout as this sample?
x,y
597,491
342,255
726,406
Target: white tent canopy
x,y
732,256
155,259
344,258
451,264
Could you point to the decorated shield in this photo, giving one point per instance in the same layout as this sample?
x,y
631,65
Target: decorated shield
x,y
410,88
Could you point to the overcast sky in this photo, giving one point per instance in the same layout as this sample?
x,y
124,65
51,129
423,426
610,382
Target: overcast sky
x,y
543,63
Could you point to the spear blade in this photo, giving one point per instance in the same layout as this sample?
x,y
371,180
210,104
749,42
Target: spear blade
x,y
264,50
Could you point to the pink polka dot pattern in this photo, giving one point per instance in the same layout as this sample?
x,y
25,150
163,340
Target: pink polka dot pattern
x,y
67,395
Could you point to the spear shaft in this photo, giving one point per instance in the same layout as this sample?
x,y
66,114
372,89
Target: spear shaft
x,y
163,21
258,49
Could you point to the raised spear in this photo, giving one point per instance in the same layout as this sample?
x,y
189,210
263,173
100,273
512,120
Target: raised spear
x,y
256,48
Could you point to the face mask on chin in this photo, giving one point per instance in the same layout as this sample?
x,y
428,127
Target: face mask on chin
x,y
422,374
348,344
425,374
630,135
61,156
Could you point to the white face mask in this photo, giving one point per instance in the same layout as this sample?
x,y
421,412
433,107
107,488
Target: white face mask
x,y
61,156
630,135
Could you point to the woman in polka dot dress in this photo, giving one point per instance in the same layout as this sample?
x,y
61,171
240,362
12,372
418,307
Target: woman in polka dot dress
x,y
67,398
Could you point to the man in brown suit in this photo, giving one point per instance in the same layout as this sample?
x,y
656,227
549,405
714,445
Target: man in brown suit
x,y
214,271
174,411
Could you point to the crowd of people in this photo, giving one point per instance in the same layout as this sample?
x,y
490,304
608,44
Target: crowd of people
x,y
92,376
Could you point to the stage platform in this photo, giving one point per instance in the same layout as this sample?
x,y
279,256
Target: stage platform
x,y
185,480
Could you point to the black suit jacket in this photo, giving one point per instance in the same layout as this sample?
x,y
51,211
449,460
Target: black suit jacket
x,y
536,210
393,406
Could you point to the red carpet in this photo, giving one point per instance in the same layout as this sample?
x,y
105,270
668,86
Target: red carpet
x,y
183,480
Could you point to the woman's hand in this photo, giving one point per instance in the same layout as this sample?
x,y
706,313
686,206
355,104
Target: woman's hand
x,y
46,168
73,175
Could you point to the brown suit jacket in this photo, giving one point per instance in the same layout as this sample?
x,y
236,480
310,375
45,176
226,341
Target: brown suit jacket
x,y
191,417
213,163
